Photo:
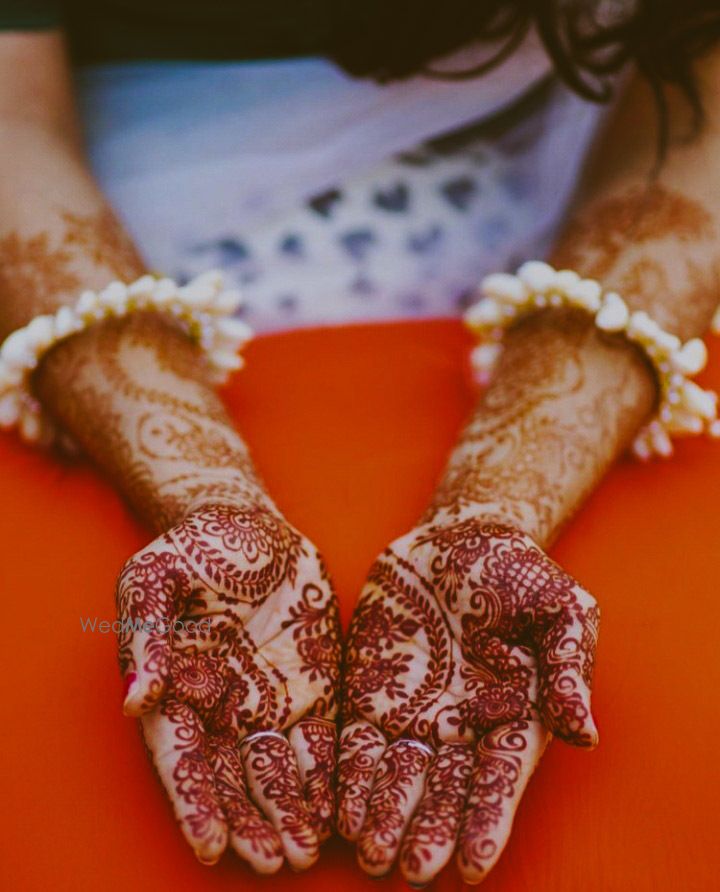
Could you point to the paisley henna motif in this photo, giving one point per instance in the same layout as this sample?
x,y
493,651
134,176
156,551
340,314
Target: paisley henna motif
x,y
229,627
467,637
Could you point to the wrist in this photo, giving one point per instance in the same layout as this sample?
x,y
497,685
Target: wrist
x,y
239,494
563,403
519,515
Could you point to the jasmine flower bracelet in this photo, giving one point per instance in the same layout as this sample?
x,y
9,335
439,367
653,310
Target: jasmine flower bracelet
x,y
684,408
202,308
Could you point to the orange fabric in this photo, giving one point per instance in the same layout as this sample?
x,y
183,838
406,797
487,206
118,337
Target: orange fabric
x,y
350,428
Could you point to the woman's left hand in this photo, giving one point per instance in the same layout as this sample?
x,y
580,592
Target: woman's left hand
x,y
468,649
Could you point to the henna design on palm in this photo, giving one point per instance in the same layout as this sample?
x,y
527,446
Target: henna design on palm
x,y
467,637
230,628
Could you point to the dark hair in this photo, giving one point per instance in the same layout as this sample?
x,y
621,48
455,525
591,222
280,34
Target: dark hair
x,y
587,40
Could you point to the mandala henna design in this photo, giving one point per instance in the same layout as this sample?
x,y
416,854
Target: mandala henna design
x,y
242,553
466,636
217,620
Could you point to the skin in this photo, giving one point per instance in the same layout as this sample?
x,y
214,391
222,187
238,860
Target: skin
x,y
483,647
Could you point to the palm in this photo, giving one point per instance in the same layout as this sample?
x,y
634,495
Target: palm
x,y
253,647
469,639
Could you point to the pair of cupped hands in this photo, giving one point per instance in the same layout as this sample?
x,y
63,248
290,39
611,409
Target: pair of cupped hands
x,y
468,649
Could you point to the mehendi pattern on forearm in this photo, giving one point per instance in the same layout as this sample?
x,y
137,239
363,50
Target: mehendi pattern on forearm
x,y
657,247
563,403
134,395
565,399
41,271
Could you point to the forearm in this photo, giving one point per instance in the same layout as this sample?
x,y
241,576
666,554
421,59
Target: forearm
x,y
565,399
58,235
564,402
132,393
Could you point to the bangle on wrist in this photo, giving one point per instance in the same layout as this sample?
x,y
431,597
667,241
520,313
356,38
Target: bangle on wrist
x,y
684,408
202,308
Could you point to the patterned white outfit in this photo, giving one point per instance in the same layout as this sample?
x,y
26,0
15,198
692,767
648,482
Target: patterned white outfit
x,y
360,218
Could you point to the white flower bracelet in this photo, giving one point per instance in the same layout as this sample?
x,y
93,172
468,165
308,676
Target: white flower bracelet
x,y
203,309
684,408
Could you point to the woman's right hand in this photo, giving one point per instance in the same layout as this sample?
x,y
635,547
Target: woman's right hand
x,y
238,697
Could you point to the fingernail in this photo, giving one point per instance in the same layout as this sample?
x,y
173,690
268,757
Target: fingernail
x,y
131,685
208,862
130,680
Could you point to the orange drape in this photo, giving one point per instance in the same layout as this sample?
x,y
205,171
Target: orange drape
x,y
349,428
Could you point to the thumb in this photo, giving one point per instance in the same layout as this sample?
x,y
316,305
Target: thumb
x,y
145,664
145,596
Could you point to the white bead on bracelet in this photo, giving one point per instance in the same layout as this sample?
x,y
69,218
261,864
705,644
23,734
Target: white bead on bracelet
x,y
684,408
203,308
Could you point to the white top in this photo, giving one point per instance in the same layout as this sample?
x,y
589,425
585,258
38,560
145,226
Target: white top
x,y
209,164
164,136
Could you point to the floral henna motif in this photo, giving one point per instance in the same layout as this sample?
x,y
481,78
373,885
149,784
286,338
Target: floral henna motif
x,y
229,628
252,835
467,636
313,622
398,648
176,741
244,554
